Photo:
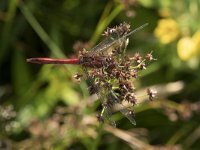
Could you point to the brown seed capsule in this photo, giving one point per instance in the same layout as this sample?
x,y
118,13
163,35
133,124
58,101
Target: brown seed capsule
x,y
149,57
137,57
152,94
78,76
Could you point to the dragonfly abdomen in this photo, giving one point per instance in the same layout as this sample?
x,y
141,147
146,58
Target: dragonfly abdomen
x,y
53,61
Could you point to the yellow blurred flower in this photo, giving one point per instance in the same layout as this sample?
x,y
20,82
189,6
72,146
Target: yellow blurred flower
x,y
167,30
196,39
189,47
186,48
165,12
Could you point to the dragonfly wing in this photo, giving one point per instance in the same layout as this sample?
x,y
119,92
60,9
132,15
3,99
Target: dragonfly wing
x,y
107,43
103,44
128,115
126,112
109,116
108,112
113,39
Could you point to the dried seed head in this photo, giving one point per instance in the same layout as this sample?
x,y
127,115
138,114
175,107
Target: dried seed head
x,y
130,13
142,66
133,73
149,57
137,57
79,46
152,94
130,97
109,31
82,52
78,76
122,29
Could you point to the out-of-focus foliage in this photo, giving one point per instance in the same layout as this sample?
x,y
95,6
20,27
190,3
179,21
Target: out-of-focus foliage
x,y
42,107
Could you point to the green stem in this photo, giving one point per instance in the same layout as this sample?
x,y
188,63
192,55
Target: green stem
x,y
95,143
104,22
6,35
182,132
40,31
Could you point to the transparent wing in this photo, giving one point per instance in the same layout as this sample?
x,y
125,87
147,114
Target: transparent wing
x,y
113,39
127,113
101,97
108,115
106,43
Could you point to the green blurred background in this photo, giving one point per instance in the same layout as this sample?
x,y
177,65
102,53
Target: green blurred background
x,y
43,107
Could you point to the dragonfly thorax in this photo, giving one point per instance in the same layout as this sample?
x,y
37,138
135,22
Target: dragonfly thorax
x,y
97,61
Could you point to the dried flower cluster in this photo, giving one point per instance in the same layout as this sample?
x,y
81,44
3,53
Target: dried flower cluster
x,y
7,117
122,29
111,72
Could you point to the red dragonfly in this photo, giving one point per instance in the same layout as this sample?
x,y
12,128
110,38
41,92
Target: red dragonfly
x,y
100,56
